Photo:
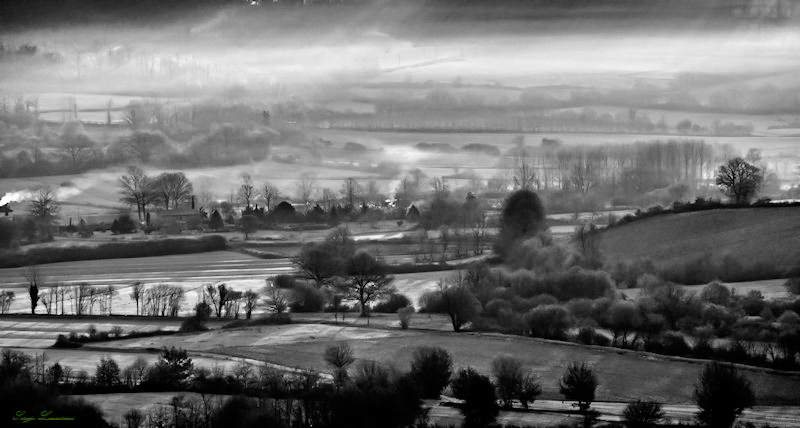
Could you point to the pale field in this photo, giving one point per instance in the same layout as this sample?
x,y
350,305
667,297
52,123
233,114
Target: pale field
x,y
89,359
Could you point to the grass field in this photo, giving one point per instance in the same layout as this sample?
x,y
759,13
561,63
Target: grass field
x,y
750,235
623,375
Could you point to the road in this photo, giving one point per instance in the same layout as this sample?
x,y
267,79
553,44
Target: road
x,y
552,412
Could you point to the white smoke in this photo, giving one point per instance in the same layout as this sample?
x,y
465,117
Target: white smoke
x,y
66,192
15,197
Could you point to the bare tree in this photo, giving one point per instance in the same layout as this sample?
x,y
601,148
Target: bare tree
x,y
79,294
269,193
77,150
351,190
250,302
367,280
137,289
35,281
6,298
173,188
219,297
524,171
247,191
49,299
110,292
305,186
137,189
43,208
278,303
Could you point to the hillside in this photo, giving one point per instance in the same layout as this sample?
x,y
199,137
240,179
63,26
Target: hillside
x,y
749,235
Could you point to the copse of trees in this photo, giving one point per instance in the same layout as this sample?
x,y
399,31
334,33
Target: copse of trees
x,y
522,217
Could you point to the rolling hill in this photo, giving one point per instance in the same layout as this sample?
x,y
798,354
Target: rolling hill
x,y
750,236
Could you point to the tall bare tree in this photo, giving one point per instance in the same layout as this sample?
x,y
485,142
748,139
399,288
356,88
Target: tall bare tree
x,y
77,150
269,193
351,190
173,188
305,186
35,281
137,189
137,289
367,280
247,191
43,208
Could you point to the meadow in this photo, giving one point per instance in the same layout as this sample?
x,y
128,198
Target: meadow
x,y
750,236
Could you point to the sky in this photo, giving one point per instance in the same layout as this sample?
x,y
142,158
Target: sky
x,y
183,48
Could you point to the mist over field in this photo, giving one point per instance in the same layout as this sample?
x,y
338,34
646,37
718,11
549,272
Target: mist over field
x,y
263,212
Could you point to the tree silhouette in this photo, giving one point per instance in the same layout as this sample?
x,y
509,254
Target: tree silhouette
x,y
722,394
480,402
739,179
523,216
431,368
579,384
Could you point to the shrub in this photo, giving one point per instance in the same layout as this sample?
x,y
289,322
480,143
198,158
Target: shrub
x,y
392,304
586,335
722,395
284,281
572,284
580,308
339,356
642,414
673,343
431,367
542,300
64,342
495,306
793,285
307,298
404,315
716,293
193,324
753,303
122,225
549,321
480,406
578,384
107,373
789,318
513,383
